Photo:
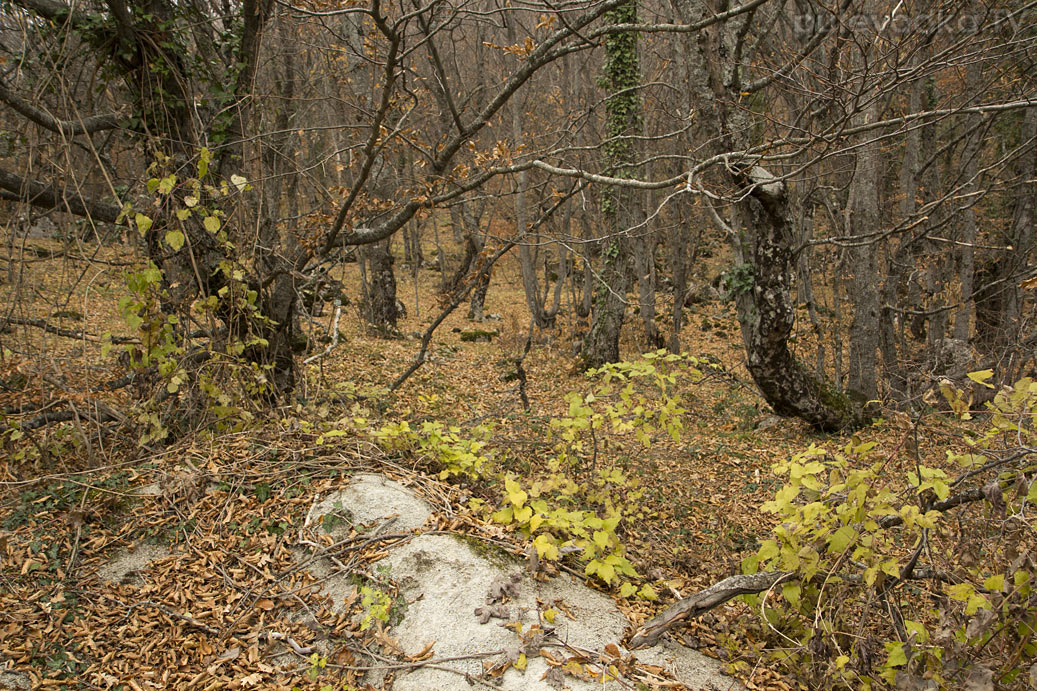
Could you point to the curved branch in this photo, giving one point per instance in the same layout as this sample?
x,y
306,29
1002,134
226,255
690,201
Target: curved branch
x,y
68,128
700,603
747,584
52,10
104,414
47,197
422,355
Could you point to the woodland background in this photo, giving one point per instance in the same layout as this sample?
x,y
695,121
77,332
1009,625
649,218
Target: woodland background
x,y
385,226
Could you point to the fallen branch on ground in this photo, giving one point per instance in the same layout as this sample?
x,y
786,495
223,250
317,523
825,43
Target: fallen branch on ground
x,y
700,603
749,584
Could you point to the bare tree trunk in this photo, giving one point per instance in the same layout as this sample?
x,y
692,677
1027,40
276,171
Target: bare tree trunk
x,y
762,234
382,311
1000,317
768,316
622,206
967,250
805,282
862,219
644,264
679,237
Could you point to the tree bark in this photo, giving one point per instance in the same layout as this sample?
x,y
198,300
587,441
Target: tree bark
x,y
999,298
767,317
862,259
382,312
622,206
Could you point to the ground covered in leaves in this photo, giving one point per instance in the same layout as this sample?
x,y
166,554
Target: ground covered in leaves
x,y
222,514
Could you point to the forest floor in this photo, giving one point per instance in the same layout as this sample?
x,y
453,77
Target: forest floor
x,y
230,506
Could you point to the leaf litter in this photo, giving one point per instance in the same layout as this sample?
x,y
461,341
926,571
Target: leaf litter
x,y
229,606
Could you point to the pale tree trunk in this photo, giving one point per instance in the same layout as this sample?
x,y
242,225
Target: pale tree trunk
x,y
679,239
643,246
805,281
527,244
967,251
472,260
644,265
588,254
862,221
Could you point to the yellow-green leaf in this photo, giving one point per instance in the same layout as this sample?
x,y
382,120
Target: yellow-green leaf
x,y
897,656
175,239
239,181
791,592
204,156
606,572
546,547
143,223
981,377
841,539
211,223
648,593
976,602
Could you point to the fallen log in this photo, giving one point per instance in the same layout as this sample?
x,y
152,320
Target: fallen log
x,y
701,602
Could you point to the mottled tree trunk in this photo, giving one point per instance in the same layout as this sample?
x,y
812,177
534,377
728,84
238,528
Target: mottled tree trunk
x,y
762,236
767,316
601,345
622,206
382,311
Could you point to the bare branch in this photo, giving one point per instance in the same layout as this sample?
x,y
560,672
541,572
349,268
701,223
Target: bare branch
x,y
68,128
52,10
38,194
67,333
700,603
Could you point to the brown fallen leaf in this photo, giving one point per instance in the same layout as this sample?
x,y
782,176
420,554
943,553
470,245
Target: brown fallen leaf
x,y
425,653
230,653
551,659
